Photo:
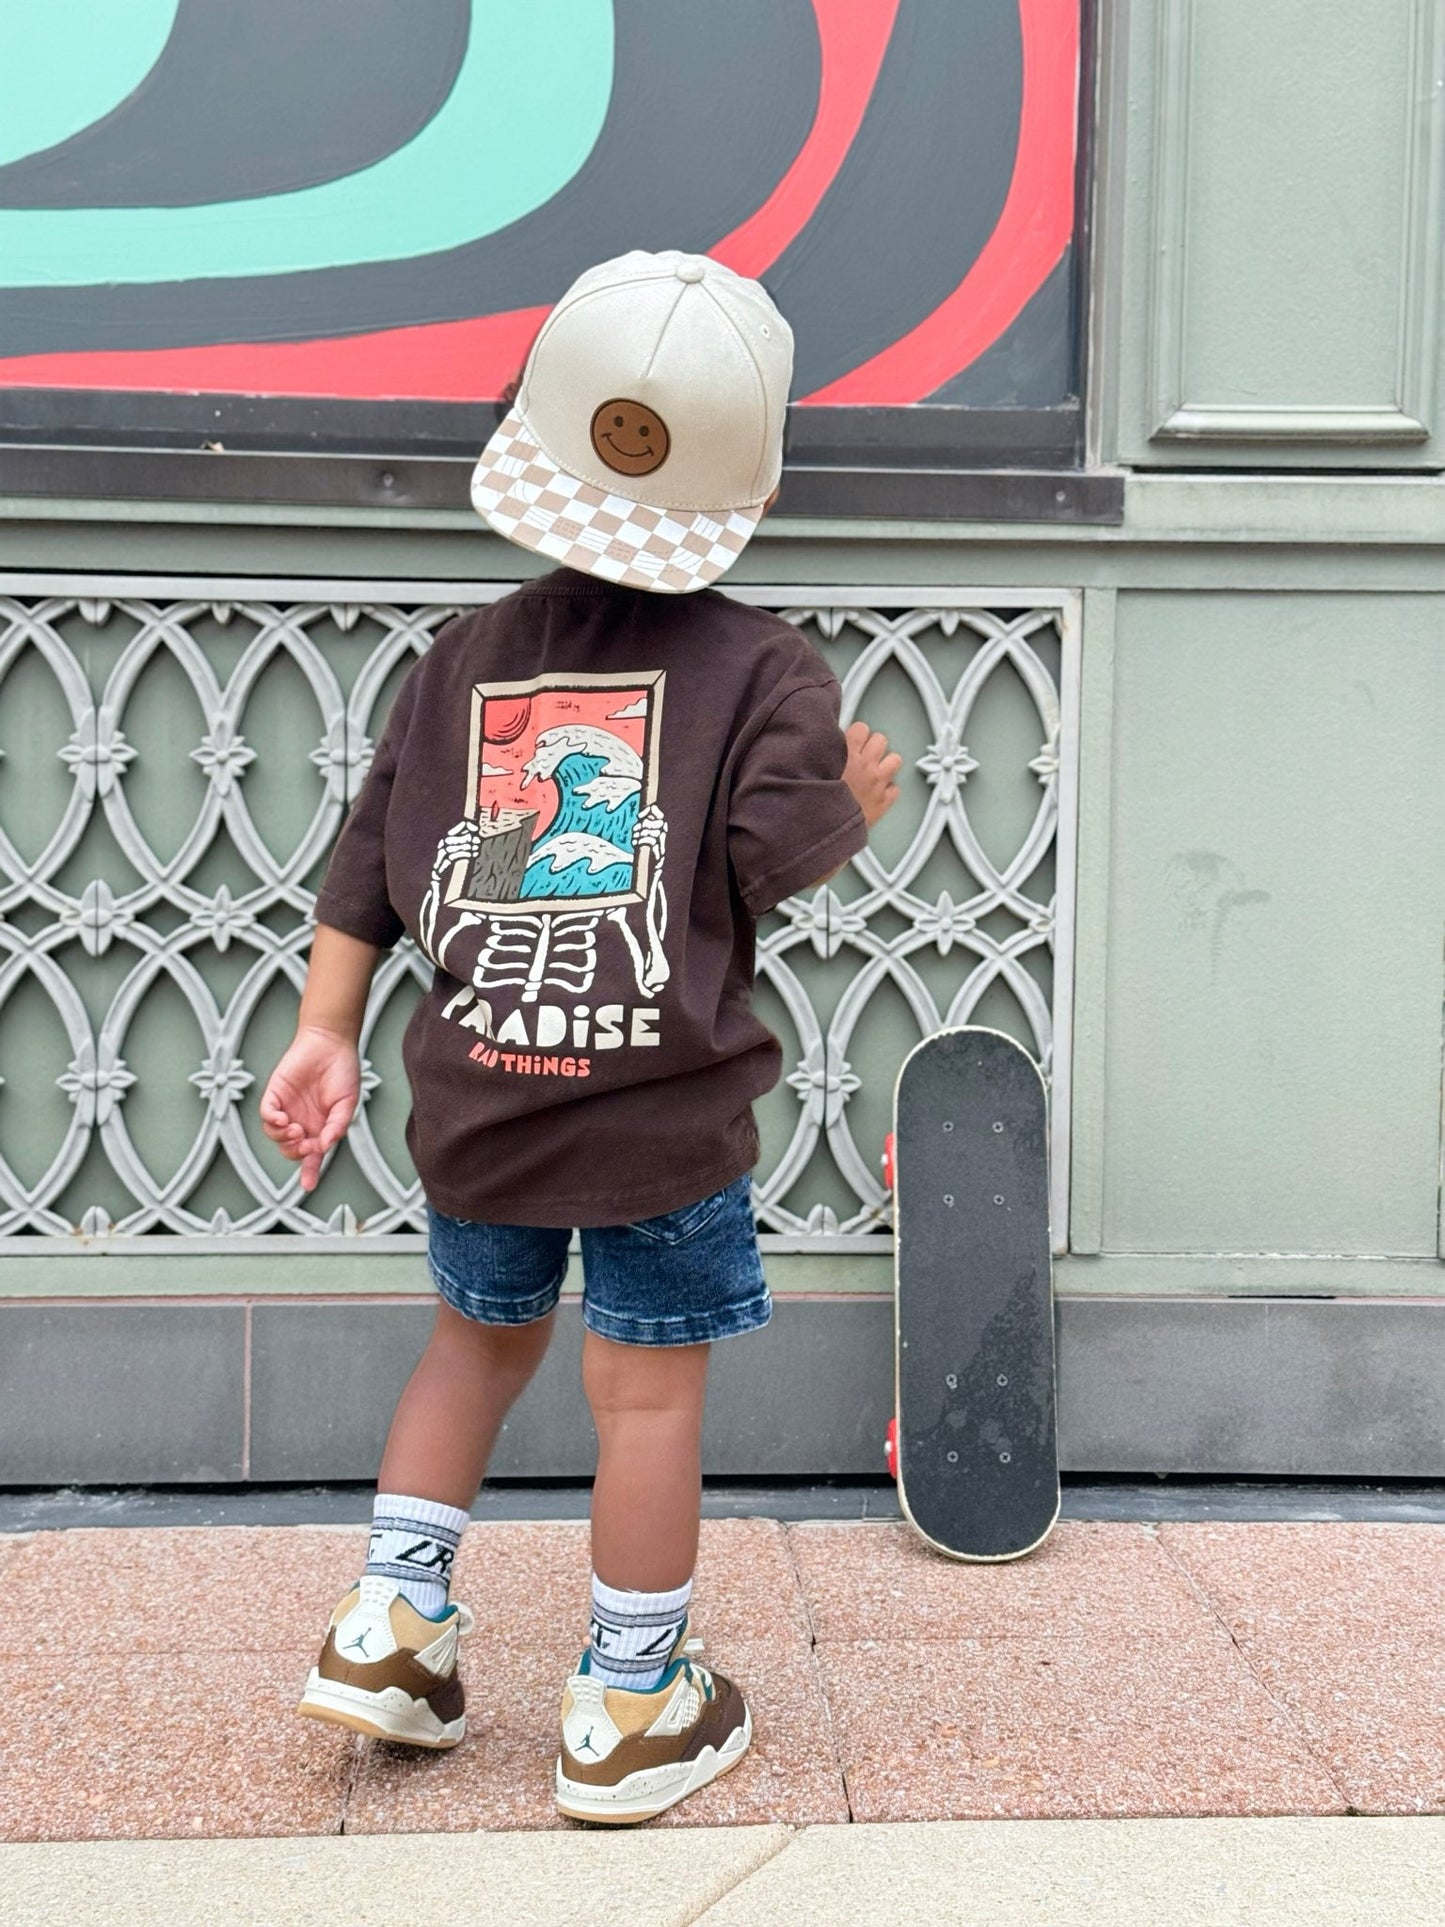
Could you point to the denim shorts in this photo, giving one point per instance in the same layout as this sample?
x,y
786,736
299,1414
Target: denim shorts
x,y
682,1279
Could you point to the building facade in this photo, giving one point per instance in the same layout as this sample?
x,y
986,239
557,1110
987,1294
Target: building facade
x,y
1151,593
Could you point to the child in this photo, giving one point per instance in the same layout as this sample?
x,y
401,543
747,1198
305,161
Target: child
x,y
584,797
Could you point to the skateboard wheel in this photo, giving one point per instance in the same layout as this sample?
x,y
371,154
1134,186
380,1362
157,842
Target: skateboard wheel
x,y
888,1171
890,1448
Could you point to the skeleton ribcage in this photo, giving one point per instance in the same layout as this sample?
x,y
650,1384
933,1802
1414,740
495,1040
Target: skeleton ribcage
x,y
532,951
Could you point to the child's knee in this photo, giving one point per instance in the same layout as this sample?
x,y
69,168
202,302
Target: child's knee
x,y
516,1350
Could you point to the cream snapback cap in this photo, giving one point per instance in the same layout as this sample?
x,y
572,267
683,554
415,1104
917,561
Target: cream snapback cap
x,y
648,430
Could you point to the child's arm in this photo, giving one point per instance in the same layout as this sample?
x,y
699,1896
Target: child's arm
x,y
869,774
804,795
313,1092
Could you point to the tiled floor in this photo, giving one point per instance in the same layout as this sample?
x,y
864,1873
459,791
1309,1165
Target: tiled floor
x,y
1121,1670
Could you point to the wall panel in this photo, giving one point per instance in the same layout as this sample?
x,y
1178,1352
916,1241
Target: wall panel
x,y
1276,910
1282,273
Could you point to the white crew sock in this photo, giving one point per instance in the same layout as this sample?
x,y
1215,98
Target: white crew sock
x,y
414,1542
633,1633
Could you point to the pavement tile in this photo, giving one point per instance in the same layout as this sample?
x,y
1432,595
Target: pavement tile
x,y
860,1579
591,1874
501,1774
144,1747
747,1585
1118,1724
1291,1872
1271,1579
189,1589
1373,1710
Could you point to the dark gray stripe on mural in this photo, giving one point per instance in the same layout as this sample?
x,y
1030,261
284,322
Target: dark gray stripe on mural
x,y
698,131
257,98
1031,365
918,194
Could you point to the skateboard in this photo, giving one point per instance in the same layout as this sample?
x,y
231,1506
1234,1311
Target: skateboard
x,y
973,1444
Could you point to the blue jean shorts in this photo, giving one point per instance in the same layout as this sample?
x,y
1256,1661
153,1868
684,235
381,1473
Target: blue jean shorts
x,y
682,1279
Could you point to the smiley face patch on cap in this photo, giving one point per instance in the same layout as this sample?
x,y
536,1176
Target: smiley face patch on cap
x,y
630,438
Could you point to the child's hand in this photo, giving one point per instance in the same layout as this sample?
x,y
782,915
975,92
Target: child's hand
x,y
870,772
311,1098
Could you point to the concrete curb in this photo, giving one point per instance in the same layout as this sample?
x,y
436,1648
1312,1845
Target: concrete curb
x,y
1352,1872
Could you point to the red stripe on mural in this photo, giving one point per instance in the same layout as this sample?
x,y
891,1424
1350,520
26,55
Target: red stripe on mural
x,y
1032,231
442,361
852,40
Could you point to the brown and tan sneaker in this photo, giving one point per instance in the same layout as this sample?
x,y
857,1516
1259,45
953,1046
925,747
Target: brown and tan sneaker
x,y
388,1670
627,1756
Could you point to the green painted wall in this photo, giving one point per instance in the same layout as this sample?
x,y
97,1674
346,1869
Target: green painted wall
x,y
1275,923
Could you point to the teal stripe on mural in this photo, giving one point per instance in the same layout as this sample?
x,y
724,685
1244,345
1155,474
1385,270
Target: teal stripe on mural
x,y
523,115
66,63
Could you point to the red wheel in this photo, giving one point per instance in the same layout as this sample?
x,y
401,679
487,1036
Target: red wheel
x,y
890,1448
888,1170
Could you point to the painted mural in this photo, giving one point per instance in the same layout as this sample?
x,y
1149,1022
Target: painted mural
x,y
379,199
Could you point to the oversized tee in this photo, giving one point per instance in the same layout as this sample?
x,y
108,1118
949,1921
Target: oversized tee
x,y
583,799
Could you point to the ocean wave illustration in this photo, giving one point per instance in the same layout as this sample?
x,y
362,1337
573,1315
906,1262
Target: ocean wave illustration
x,y
586,850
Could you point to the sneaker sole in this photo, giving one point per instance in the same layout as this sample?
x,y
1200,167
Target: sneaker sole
x,y
392,1715
643,1795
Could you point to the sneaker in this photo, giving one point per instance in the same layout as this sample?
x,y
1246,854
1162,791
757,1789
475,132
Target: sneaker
x,y
389,1671
627,1756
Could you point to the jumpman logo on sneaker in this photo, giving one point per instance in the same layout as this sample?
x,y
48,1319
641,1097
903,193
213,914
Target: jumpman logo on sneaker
x,y
586,1740
358,1645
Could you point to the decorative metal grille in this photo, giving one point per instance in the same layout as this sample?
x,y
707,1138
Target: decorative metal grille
x,y
176,758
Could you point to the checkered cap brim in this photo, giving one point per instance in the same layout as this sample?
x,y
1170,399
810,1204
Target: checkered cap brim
x,y
521,493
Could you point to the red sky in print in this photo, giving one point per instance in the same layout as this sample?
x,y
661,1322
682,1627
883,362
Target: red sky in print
x,y
512,724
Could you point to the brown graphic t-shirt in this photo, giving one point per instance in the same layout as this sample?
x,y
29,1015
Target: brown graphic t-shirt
x,y
583,798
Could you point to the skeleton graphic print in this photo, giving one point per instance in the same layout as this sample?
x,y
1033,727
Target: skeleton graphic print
x,y
561,845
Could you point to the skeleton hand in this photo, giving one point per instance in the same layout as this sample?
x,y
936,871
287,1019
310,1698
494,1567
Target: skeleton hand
x,y
650,831
462,841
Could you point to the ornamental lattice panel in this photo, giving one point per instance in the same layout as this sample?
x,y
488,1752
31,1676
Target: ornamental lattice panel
x,y
176,758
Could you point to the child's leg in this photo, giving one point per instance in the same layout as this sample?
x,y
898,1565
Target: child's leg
x,y
441,1438
647,1404
389,1664
449,1416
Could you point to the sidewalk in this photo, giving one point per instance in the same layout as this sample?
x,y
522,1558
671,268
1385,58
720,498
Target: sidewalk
x,y
1122,1672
